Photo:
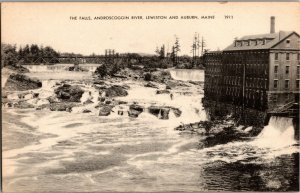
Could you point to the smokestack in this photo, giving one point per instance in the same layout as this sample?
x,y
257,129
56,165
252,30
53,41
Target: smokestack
x,y
272,29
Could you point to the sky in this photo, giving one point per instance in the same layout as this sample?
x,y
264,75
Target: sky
x,y
49,24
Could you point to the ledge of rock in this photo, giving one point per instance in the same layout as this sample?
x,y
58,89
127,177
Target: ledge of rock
x,y
163,112
135,110
23,105
162,92
69,93
158,76
64,106
77,69
151,85
115,91
16,69
175,83
20,82
105,110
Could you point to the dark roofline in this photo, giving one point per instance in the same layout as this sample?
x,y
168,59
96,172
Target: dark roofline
x,y
285,38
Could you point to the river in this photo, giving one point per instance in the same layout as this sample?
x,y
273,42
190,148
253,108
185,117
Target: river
x,y
61,151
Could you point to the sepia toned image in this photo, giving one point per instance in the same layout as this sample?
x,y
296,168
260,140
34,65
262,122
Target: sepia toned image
x,y
150,97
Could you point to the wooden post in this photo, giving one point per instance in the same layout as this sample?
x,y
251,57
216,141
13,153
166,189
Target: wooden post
x,y
243,100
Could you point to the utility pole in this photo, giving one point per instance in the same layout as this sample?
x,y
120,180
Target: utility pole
x,y
198,45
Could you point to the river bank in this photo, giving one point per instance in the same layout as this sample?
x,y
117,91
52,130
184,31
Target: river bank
x,y
63,139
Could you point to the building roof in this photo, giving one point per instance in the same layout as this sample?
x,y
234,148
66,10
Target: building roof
x,y
214,52
270,40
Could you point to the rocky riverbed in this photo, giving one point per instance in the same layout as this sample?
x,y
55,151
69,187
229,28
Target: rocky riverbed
x,y
101,96
134,131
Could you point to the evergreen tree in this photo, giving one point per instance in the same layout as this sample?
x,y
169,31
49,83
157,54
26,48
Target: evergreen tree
x,y
176,49
162,52
9,55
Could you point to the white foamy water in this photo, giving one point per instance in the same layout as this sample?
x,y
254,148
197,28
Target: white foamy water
x,y
187,74
59,67
84,152
276,139
278,133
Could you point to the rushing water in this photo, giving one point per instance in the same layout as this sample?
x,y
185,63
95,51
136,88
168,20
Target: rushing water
x,y
62,151
187,74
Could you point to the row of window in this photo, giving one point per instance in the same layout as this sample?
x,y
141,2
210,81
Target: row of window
x,y
287,56
286,83
287,69
240,43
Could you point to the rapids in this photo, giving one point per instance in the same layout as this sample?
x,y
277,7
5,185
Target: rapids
x,y
61,151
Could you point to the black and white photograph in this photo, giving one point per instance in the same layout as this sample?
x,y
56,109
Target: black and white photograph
x,y
150,96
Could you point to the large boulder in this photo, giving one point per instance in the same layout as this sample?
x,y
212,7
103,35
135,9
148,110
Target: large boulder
x,y
20,82
23,105
162,92
105,110
176,83
68,93
160,112
86,111
133,113
176,111
147,76
136,107
89,101
62,106
151,85
17,68
158,76
135,110
53,99
161,75
115,91
77,69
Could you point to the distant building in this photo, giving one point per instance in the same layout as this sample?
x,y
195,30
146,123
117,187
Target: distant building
x,y
258,71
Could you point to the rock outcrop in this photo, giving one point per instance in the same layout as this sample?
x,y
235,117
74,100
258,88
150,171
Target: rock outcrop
x,y
105,110
62,106
20,82
16,69
162,112
162,92
115,91
77,69
151,85
23,105
158,76
135,110
68,93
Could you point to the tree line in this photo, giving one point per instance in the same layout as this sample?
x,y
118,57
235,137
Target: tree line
x,y
33,53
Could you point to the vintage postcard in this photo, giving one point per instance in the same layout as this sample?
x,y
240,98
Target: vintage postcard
x,y
150,97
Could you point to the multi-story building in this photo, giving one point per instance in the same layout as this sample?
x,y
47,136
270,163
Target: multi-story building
x,y
258,71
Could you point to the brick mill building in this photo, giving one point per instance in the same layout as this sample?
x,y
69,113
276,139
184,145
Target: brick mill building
x,y
260,72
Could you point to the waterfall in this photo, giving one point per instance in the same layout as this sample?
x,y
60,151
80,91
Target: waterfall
x,y
159,114
278,133
58,67
187,74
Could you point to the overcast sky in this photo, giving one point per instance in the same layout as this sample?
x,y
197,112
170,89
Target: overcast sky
x,y
49,24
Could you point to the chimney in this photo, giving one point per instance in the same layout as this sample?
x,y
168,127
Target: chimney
x,y
272,28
